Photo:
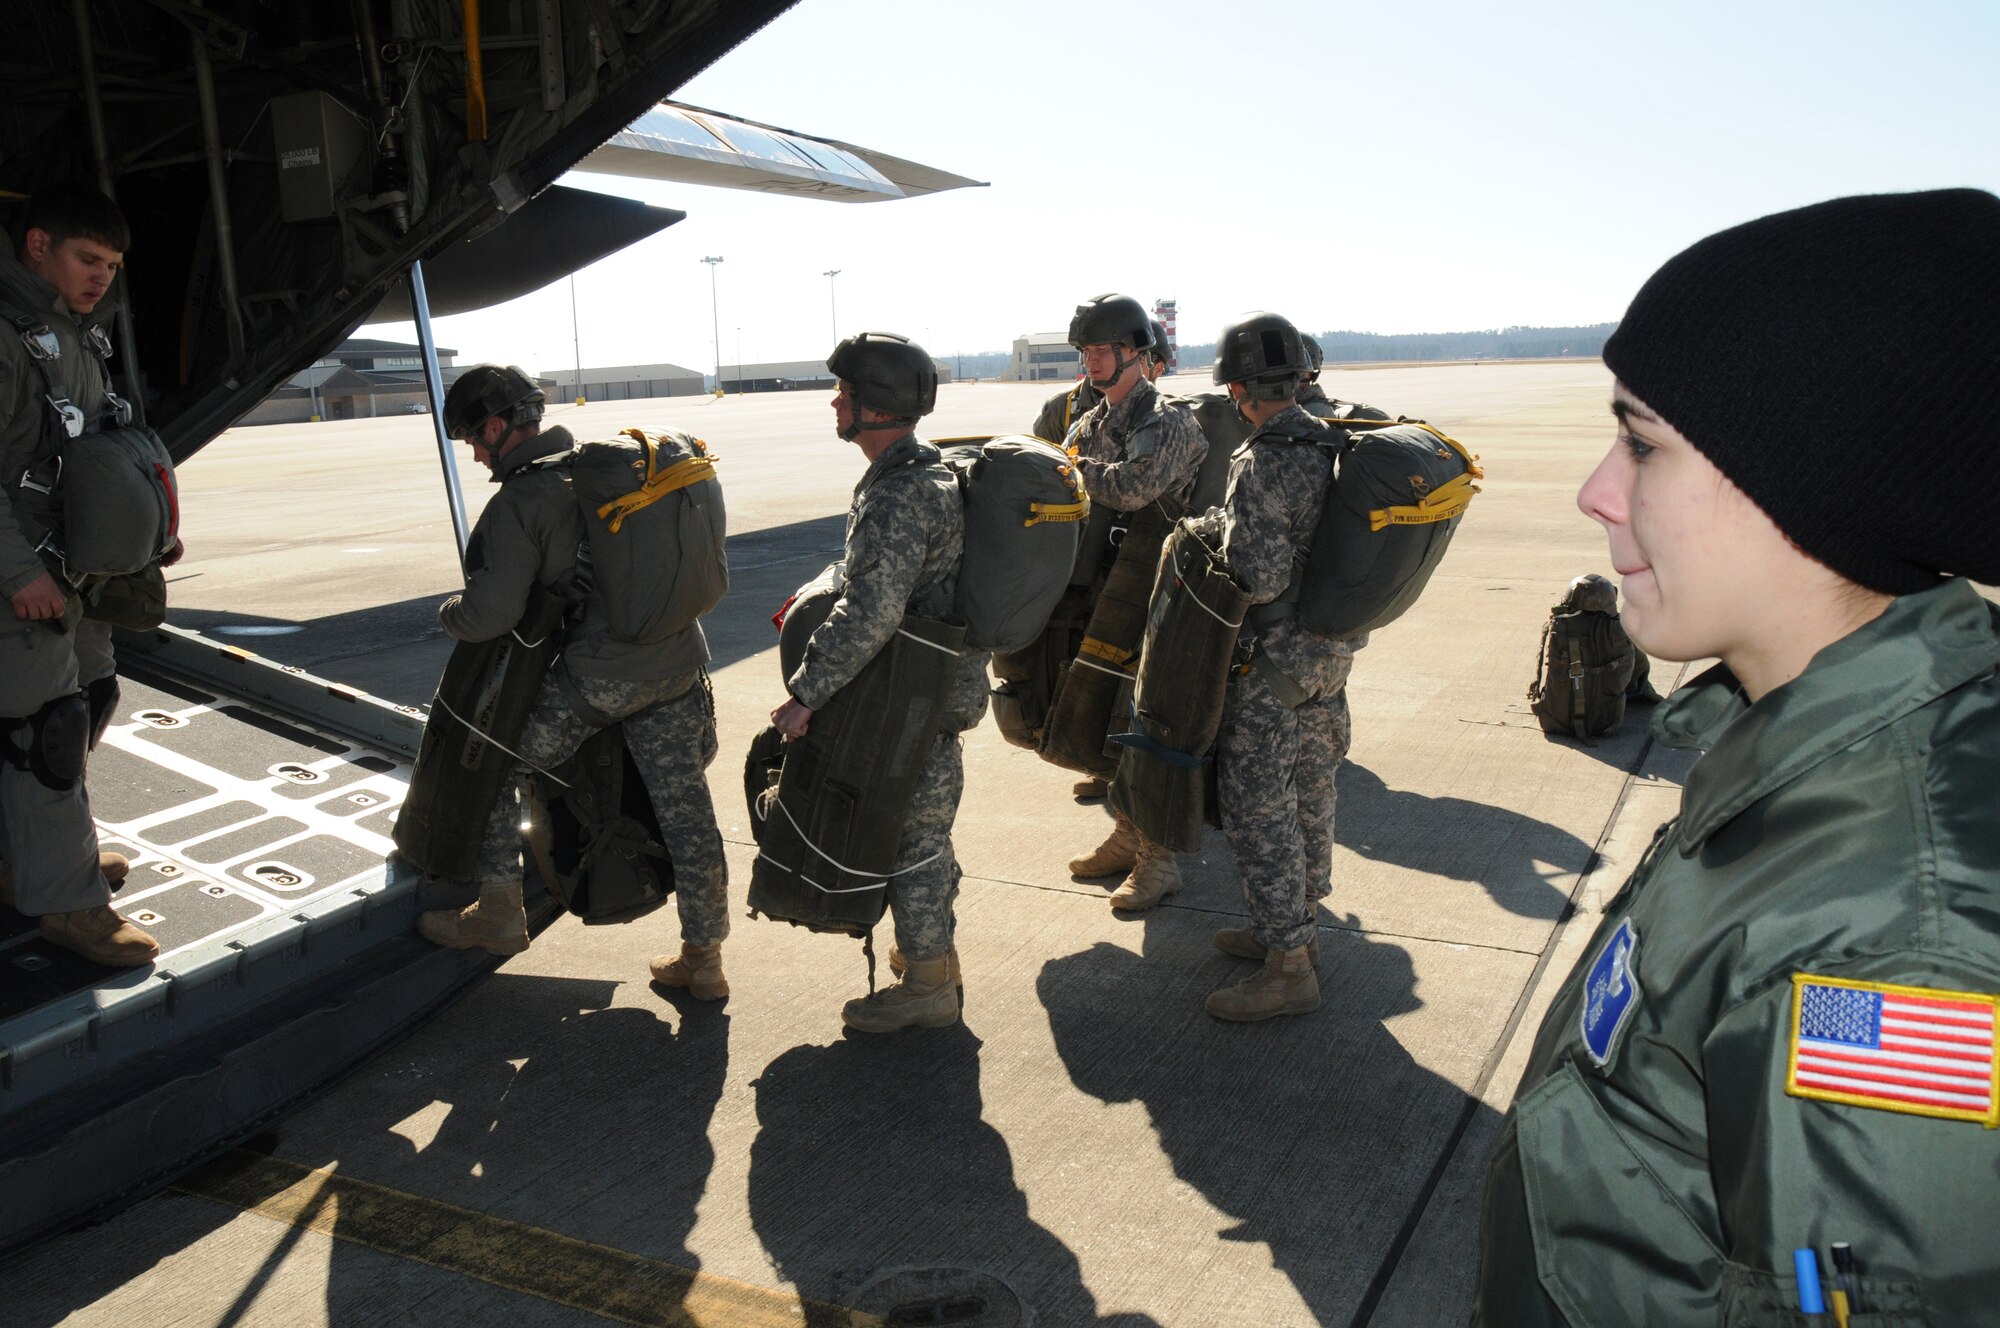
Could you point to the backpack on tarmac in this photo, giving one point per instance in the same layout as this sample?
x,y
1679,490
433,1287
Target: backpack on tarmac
x,y
1024,513
1588,665
654,528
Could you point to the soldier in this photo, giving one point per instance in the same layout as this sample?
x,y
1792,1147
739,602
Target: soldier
x,y
53,663
905,541
1138,453
1781,1039
1284,720
530,535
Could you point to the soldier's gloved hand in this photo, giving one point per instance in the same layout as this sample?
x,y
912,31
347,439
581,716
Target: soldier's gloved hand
x,y
791,718
40,599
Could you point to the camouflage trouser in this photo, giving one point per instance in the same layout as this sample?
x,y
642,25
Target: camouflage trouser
x,y
46,834
920,901
1275,774
670,731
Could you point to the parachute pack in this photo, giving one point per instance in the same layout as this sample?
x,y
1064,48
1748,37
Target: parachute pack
x,y
1397,493
1024,508
655,526
106,487
606,861
1588,665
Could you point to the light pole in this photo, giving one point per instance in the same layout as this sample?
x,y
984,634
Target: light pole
x,y
715,319
739,355
832,303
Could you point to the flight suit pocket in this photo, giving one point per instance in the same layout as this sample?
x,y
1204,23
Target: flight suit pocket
x,y
1612,1243
1752,1298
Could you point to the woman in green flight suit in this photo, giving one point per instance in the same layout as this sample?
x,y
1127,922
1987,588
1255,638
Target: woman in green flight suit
x,y
1782,1035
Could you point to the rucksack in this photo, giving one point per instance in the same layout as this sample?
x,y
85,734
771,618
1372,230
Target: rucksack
x,y
1395,497
1024,509
607,860
1587,665
654,529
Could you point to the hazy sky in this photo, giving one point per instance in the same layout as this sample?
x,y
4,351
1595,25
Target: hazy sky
x,y
1394,167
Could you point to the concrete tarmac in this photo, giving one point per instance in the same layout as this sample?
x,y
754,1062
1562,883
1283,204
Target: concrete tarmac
x,y
568,1145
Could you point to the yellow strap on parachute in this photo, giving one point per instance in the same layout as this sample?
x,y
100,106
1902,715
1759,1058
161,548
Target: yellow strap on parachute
x,y
1104,650
659,483
1039,512
1441,504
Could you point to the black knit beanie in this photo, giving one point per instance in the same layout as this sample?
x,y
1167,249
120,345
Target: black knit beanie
x,y
1840,363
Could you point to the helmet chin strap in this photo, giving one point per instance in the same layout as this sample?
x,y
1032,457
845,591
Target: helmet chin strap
x,y
1120,363
858,427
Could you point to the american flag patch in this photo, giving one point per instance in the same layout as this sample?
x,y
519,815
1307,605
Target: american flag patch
x,y
1908,1049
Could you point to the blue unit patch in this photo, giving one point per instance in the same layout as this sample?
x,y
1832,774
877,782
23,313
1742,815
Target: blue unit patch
x,y
1610,993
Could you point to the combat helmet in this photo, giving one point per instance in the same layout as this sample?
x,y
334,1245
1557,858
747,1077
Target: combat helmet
x,y
1315,357
1591,593
486,390
1161,349
1113,320
1265,353
887,373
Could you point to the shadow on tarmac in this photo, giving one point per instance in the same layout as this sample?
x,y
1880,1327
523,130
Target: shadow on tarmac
x,y
1336,1204
1520,861
873,1170
630,1095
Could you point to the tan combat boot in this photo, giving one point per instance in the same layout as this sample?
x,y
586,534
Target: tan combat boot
x,y
925,998
696,967
1120,853
497,923
1154,876
101,936
1090,788
897,964
1285,985
1243,943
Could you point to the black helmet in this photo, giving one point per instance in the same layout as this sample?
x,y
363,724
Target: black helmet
x,y
1160,348
1265,353
1112,320
486,390
888,373
1315,357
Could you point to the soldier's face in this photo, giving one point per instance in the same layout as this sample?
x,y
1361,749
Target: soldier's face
x,y
843,410
81,270
1705,572
1100,362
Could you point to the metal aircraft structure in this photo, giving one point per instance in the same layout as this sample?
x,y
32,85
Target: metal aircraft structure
x,y
292,170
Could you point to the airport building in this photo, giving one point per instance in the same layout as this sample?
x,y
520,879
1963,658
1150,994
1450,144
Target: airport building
x,y
791,376
360,379
625,382
1041,355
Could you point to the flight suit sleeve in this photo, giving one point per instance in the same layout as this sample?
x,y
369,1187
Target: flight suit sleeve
x,y
1161,456
1255,523
885,556
501,562
1049,424
1916,1196
18,563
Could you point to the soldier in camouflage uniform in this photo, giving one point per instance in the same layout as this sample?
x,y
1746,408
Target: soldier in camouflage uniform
x,y
1284,722
530,535
1063,411
905,541
1135,449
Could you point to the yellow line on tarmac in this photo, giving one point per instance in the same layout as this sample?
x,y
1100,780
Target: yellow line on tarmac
x,y
613,1284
